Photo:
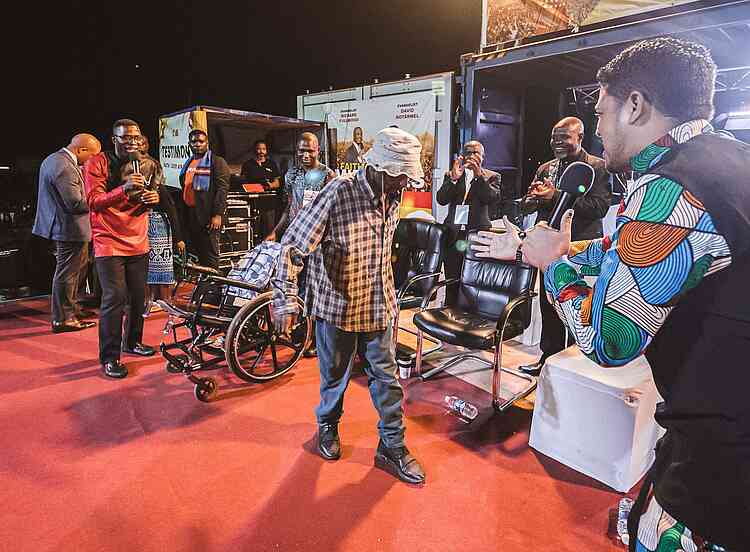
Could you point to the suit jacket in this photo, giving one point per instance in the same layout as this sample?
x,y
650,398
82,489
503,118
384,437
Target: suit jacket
x,y
62,213
352,155
214,200
588,210
485,193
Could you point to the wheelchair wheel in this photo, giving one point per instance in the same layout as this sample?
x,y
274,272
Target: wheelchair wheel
x,y
254,351
205,390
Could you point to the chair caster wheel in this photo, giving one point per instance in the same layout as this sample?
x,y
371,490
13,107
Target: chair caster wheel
x,y
205,390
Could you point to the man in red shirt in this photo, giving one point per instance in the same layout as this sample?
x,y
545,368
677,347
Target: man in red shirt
x,y
115,190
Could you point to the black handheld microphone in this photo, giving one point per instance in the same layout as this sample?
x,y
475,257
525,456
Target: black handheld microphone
x,y
135,161
576,181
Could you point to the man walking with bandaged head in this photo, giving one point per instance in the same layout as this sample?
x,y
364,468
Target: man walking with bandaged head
x,y
346,235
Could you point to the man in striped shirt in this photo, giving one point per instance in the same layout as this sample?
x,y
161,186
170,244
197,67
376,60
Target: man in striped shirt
x,y
346,235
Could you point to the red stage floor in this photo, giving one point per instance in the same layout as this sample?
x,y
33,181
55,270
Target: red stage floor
x,y
95,464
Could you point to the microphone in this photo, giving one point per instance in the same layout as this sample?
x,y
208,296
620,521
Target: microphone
x,y
576,181
135,161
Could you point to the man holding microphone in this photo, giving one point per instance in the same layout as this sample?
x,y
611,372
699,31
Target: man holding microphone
x,y
116,194
671,284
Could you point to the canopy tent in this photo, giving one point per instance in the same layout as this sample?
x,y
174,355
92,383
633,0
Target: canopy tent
x,y
231,134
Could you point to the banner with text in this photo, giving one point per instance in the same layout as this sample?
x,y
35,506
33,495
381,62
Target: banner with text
x,y
357,123
173,142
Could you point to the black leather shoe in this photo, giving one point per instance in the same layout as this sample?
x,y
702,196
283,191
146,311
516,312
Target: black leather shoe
x,y
139,349
329,445
533,369
399,462
113,369
310,353
71,326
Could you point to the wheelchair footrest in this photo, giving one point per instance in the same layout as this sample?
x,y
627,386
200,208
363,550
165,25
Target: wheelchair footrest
x,y
175,363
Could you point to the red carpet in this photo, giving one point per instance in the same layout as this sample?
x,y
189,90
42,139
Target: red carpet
x,y
92,464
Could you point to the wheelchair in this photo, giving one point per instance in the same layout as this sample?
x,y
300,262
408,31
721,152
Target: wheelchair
x,y
218,326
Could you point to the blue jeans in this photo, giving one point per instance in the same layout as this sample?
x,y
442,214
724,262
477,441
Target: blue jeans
x,y
336,350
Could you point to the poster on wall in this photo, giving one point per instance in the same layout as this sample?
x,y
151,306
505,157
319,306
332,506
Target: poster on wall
x,y
357,123
173,142
510,20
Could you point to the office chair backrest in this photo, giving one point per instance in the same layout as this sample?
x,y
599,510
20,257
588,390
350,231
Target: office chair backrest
x,y
418,248
487,285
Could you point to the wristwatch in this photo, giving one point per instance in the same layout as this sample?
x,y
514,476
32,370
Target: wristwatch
x,y
519,253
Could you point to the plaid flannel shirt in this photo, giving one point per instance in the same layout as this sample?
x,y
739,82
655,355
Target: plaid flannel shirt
x,y
347,238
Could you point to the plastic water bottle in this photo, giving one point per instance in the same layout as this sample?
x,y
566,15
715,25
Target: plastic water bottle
x,y
404,367
461,407
623,510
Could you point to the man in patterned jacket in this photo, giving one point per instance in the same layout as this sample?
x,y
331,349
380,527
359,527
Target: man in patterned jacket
x,y
672,284
346,235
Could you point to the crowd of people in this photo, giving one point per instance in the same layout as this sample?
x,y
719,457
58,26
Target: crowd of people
x,y
669,276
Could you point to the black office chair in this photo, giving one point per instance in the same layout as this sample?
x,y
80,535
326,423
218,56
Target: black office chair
x,y
489,291
418,248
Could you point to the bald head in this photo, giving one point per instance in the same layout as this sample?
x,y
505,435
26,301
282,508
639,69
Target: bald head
x,y
567,136
309,137
574,124
84,146
308,150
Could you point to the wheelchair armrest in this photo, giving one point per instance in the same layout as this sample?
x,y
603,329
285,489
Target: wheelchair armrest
x,y
512,304
413,280
433,290
235,283
196,267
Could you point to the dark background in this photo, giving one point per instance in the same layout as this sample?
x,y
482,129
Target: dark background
x,y
78,67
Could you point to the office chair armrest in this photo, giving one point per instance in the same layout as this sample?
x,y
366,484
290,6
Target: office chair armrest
x,y
512,304
433,290
413,280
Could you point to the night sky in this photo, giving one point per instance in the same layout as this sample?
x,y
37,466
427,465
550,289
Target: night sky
x,y
78,67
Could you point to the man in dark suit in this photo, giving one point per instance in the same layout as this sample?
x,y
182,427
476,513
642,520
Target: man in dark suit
x,y
567,137
63,216
357,148
204,180
469,205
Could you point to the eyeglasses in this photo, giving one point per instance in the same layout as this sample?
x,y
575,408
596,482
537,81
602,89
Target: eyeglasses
x,y
128,138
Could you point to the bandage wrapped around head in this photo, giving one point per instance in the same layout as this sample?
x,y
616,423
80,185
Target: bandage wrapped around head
x,y
396,152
